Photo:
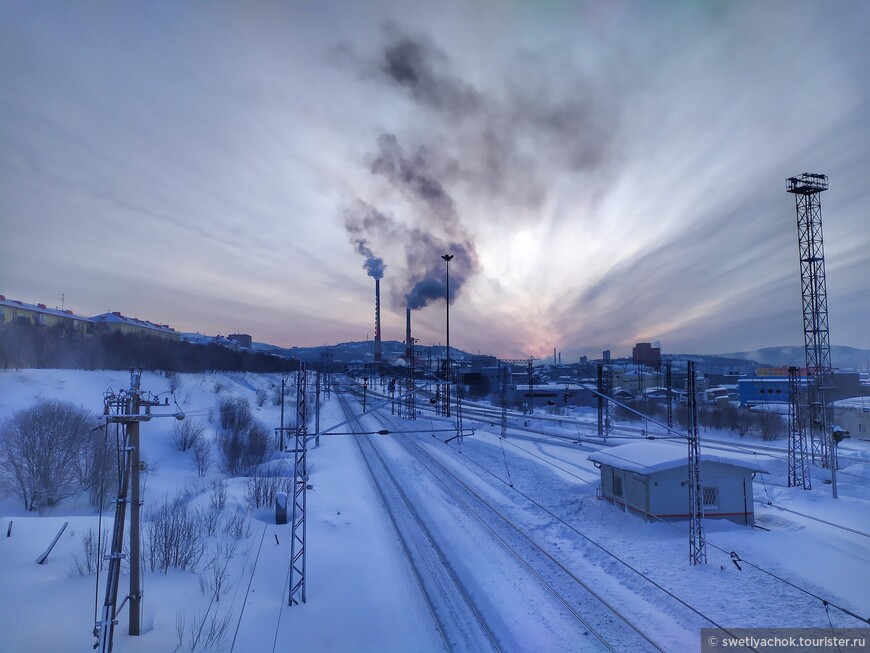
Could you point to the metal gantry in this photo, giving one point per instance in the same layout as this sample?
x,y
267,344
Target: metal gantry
x,y
697,541
807,188
300,486
798,467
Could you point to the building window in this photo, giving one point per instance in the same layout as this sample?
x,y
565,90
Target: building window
x,y
711,497
617,485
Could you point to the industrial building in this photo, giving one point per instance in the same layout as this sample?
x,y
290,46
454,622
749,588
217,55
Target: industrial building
x,y
650,479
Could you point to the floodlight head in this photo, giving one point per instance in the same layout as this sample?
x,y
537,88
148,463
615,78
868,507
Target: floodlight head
x,y
447,257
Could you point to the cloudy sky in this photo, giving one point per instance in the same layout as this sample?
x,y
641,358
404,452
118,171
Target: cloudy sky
x,y
604,172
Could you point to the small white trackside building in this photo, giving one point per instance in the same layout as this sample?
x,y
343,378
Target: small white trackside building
x,y
650,478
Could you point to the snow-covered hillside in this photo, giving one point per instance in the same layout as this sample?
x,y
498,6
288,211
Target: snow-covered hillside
x,y
366,588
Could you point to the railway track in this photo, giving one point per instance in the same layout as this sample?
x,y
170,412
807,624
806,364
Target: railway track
x,y
561,597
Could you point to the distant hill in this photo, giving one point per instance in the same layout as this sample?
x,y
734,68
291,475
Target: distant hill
x,y
841,357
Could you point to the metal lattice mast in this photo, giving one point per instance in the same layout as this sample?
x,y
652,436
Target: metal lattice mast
x,y
605,409
459,390
531,387
697,542
410,389
503,379
669,384
807,188
300,485
798,469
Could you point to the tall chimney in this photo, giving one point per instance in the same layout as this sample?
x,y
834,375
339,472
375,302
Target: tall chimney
x,y
377,320
409,344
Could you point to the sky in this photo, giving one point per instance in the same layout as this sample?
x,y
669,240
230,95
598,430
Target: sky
x,y
603,173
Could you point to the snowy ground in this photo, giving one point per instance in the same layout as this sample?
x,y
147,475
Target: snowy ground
x,y
362,592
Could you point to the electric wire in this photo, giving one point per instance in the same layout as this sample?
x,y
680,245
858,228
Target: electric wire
x,y
719,548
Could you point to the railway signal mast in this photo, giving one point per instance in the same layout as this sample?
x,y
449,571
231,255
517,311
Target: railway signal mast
x,y
806,188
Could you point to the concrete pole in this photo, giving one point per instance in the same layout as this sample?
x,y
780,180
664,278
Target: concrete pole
x,y
135,566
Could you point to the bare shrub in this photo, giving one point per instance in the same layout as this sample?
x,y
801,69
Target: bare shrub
x,y
260,489
204,634
237,525
41,449
262,397
184,434
218,499
219,387
241,451
201,455
211,521
97,467
94,551
173,537
215,581
235,414
174,379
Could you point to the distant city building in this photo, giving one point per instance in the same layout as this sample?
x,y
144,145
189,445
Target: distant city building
x,y
644,353
605,355
243,339
39,314
116,323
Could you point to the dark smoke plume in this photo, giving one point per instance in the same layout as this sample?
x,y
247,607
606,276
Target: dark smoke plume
x,y
513,139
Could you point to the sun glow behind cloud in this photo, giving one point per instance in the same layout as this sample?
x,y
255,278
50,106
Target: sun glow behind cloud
x,y
618,171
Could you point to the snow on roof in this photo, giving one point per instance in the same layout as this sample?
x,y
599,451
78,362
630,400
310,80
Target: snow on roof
x,y
118,318
41,308
651,456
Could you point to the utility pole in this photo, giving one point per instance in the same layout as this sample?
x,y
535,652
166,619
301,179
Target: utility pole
x,y
127,406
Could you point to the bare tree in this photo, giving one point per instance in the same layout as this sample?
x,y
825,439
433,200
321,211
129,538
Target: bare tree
x,y
184,434
202,455
40,450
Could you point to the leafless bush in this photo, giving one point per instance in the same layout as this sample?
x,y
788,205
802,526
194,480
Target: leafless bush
x,y
184,434
204,634
173,537
235,414
215,581
174,379
97,467
237,525
94,550
41,450
211,521
218,499
219,387
201,455
241,451
260,489
262,397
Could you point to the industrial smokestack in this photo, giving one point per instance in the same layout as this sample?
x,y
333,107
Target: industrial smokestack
x,y
409,350
377,320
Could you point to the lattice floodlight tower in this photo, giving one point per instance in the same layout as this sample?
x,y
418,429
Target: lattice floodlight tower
x,y
798,469
300,486
697,541
806,189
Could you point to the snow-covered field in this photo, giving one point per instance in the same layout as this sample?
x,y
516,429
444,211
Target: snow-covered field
x,y
363,592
